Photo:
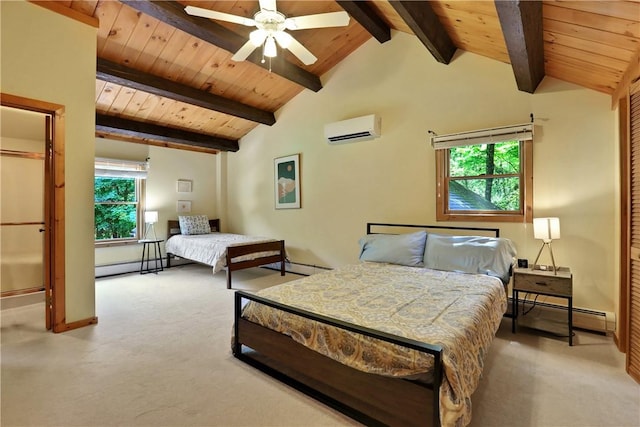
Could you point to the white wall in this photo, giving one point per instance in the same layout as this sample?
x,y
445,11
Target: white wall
x,y
52,58
392,178
166,166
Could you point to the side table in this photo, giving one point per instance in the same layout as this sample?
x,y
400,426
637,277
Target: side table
x,y
146,256
558,284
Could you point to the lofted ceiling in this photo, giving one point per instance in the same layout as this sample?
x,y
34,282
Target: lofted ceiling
x,y
167,78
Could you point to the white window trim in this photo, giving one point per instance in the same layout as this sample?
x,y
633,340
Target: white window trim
x,y
120,168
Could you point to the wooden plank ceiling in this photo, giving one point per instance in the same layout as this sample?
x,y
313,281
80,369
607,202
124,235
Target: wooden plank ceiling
x,y
167,78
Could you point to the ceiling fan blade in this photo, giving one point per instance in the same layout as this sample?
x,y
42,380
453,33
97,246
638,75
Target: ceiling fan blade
x,y
268,5
244,51
283,39
221,16
301,52
331,19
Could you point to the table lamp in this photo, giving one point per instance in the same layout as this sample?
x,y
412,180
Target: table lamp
x,y
546,229
150,218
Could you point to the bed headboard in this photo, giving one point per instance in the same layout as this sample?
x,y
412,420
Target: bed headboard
x,y
173,226
382,228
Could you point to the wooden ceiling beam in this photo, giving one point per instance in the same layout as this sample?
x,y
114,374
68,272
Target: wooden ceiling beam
x,y
115,73
368,18
425,24
173,14
521,23
129,128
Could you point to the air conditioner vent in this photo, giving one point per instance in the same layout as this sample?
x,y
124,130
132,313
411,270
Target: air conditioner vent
x,y
352,130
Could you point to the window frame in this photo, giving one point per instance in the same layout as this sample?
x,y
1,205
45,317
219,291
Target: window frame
x,y
525,214
140,208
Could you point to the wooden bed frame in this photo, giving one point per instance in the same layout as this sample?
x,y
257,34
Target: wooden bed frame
x,y
173,228
369,398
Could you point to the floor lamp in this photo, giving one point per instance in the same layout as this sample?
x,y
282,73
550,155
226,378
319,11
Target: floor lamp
x,y
546,229
150,218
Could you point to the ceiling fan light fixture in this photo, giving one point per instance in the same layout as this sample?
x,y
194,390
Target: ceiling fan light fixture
x,y
270,48
257,37
270,28
283,39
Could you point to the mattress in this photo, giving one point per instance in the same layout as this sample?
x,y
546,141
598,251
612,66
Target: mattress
x,y
211,249
461,312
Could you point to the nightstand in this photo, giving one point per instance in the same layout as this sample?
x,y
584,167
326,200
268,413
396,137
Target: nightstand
x,y
146,256
539,282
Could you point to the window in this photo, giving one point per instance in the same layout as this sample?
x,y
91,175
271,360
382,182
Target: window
x,y
118,195
484,176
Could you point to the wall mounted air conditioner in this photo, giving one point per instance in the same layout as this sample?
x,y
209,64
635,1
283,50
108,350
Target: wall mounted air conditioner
x,y
352,130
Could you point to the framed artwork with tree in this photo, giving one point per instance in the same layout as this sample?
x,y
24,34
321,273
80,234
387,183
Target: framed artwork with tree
x,y
287,182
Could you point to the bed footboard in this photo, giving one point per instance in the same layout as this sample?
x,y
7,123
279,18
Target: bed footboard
x,y
245,249
369,398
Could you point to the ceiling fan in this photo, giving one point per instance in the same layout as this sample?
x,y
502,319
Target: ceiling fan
x,y
271,26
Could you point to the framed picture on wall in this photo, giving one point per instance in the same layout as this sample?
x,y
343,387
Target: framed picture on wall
x,y
287,182
183,206
183,186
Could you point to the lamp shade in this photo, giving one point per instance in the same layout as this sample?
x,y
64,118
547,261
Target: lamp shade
x,y
150,217
257,37
270,47
547,229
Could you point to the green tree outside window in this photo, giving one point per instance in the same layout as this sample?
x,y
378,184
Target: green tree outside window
x,y
485,177
116,208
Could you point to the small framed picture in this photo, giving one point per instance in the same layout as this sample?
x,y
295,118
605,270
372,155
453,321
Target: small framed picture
x,y
287,182
183,186
183,206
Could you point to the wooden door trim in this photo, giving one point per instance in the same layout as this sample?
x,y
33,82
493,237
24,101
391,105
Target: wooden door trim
x,y
55,250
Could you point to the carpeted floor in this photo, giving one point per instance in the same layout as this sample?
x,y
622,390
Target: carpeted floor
x,y
160,356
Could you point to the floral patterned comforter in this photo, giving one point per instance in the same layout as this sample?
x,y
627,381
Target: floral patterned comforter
x,y
461,312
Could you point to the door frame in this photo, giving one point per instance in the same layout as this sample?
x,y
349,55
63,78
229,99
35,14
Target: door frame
x,y
54,190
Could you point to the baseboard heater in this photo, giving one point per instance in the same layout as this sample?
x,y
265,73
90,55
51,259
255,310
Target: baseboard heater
x,y
591,320
134,266
120,268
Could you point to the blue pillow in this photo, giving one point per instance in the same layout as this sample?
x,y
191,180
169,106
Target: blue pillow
x,y
470,254
403,249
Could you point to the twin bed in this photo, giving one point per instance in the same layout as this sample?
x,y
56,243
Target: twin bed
x,y
396,339
198,238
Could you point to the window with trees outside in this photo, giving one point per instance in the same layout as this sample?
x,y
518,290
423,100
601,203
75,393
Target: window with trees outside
x,y
118,192
484,181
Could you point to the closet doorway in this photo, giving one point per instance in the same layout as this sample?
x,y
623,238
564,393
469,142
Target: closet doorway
x,y
629,340
32,238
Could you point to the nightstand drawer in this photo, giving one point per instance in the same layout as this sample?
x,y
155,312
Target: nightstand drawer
x,y
560,285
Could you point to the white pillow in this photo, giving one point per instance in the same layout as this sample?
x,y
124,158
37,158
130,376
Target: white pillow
x,y
194,224
470,254
403,249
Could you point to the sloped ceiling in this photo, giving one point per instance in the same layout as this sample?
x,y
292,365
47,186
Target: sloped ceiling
x,y
166,78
